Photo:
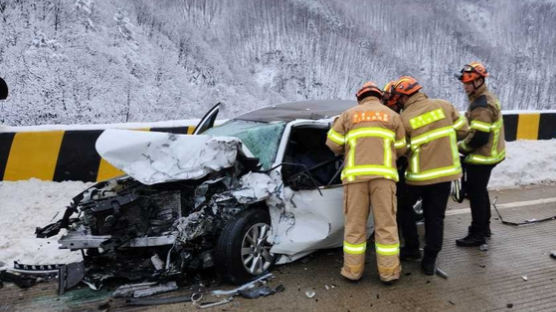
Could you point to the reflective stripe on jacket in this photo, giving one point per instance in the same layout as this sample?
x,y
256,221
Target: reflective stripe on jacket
x,y
371,136
484,115
433,127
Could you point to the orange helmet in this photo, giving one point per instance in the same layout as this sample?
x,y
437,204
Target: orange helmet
x,y
406,85
472,71
388,87
388,98
369,88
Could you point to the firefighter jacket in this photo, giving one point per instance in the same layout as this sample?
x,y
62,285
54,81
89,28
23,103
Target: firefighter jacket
x,y
484,145
433,127
372,137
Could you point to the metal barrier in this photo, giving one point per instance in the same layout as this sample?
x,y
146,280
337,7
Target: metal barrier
x,y
60,155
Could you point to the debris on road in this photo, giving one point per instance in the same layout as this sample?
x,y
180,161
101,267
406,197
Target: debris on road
x,y
256,292
328,287
158,301
69,275
41,270
235,291
527,221
213,304
250,290
553,254
158,289
524,277
127,290
21,281
483,247
310,293
441,273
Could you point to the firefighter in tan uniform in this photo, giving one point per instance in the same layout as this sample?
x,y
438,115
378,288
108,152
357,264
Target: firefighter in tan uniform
x,y
432,127
371,136
403,217
484,148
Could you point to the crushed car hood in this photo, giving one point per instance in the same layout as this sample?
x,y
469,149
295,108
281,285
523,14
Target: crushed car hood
x,y
158,157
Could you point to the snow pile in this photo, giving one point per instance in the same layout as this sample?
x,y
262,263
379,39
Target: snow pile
x,y
527,162
25,205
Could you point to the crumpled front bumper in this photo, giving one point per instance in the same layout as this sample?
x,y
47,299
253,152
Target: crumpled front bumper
x,y
76,240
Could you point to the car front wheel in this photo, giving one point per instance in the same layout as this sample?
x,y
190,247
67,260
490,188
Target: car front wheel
x,y
243,250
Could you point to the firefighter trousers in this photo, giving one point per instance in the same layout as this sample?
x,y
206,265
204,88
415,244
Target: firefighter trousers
x,y
477,181
435,198
358,198
406,217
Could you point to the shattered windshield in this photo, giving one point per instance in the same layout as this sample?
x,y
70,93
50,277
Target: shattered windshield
x,y
260,138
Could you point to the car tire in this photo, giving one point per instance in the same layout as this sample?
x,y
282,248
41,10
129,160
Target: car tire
x,y
242,251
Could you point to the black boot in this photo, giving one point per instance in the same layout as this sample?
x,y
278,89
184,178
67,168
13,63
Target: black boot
x,y
428,264
471,240
407,253
488,233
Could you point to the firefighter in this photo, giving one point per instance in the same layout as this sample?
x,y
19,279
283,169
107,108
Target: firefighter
x,y
432,126
387,98
371,136
483,148
401,189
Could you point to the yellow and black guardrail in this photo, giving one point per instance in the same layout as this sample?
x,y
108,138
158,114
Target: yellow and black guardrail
x,y
59,155
530,126
70,154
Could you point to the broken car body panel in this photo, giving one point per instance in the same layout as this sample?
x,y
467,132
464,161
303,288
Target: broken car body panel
x,y
158,157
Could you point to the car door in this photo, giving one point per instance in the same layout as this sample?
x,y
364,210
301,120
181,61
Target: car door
x,y
208,119
317,210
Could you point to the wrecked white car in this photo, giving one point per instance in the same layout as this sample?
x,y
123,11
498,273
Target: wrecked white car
x,y
258,190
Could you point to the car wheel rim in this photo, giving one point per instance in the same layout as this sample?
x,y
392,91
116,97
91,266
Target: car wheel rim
x,y
255,249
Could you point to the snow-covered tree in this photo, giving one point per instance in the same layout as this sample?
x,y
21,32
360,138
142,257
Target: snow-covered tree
x,y
89,61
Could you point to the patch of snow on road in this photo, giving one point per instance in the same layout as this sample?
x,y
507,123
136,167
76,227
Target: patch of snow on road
x,y
25,205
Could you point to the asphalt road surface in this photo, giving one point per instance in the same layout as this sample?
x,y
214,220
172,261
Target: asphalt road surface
x,y
516,273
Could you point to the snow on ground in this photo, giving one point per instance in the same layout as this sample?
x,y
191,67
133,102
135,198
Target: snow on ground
x,y
25,205
527,162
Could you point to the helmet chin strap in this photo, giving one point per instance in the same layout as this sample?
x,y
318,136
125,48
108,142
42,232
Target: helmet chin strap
x,y
477,87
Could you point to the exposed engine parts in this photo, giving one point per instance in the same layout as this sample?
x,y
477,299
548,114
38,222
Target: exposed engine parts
x,y
136,232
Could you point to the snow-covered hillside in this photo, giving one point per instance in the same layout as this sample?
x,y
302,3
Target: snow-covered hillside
x,y
99,61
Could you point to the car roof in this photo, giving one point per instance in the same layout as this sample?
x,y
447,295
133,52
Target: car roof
x,y
314,110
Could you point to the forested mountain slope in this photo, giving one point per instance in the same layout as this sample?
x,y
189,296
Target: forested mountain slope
x,y
97,61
